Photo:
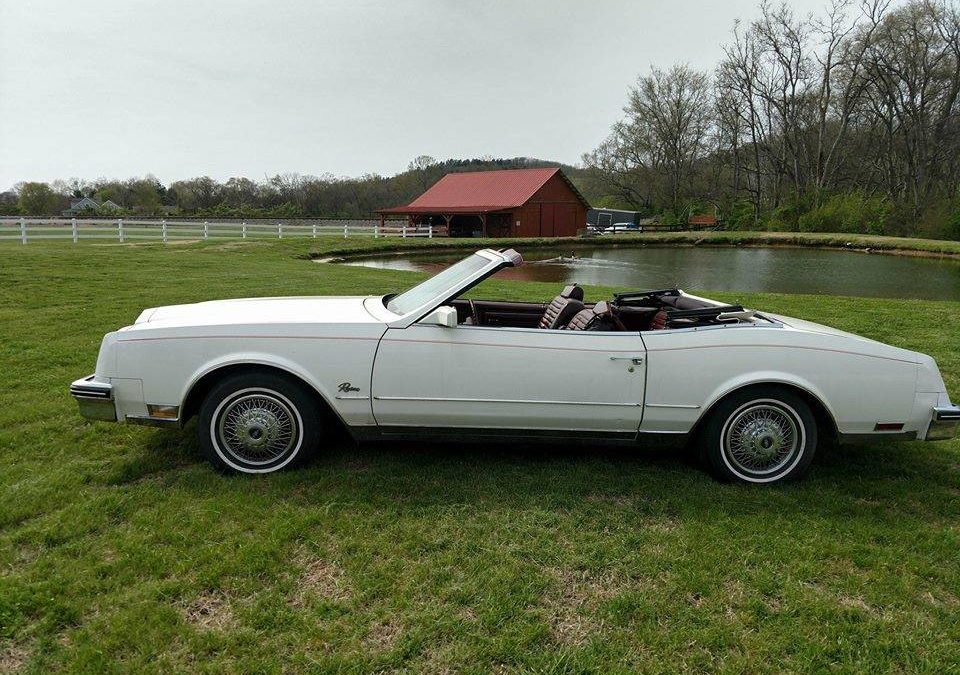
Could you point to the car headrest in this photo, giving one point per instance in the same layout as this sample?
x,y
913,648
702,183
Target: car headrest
x,y
601,308
572,292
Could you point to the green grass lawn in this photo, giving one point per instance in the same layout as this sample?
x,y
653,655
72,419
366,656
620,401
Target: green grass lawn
x,y
120,550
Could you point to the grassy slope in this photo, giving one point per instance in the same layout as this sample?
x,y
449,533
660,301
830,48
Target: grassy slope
x,y
120,550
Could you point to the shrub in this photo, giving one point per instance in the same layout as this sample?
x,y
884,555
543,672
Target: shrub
x,y
738,215
940,220
953,223
222,210
670,218
785,218
853,212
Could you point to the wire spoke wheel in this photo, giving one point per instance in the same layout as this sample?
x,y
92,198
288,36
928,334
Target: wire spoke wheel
x,y
257,427
761,438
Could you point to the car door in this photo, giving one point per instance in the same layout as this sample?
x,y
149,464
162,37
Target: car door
x,y
509,378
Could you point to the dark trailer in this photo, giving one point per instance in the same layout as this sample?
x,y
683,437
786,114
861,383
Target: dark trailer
x,y
602,218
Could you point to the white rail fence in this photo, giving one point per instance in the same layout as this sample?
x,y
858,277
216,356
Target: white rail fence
x,y
26,230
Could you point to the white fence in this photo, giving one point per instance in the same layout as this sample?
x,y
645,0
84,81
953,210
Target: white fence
x,y
26,230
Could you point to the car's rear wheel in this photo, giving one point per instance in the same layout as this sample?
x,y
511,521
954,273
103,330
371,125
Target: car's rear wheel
x,y
760,435
258,423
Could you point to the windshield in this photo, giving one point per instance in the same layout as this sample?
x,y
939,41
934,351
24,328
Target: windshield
x,y
423,293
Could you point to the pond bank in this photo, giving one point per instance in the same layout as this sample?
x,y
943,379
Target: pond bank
x,y
837,241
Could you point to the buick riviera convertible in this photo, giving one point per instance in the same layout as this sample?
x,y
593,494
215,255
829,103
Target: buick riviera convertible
x,y
753,392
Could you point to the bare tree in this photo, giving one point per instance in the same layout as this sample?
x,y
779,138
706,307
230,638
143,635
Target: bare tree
x,y
742,127
663,137
912,74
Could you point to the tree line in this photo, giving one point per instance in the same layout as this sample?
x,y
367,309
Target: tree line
x,y
282,196
842,121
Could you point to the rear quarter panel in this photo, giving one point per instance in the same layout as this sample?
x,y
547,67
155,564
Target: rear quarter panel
x,y
859,381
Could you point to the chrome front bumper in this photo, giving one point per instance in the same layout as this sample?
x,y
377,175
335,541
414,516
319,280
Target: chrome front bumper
x,y
943,423
95,399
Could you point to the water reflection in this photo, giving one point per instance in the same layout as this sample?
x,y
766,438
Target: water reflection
x,y
779,270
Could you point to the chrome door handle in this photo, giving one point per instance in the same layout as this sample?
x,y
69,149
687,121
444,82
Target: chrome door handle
x,y
635,360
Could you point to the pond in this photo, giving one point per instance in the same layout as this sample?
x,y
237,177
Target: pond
x,y
776,270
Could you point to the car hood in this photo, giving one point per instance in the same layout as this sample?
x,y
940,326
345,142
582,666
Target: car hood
x,y
247,311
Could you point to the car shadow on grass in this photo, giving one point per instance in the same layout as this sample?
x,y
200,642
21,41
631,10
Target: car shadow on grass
x,y
162,453
897,478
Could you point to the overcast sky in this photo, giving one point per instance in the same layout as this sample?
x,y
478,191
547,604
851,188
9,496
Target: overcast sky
x,y
187,88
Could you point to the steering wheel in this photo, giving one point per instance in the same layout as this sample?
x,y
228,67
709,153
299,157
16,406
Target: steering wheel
x,y
474,316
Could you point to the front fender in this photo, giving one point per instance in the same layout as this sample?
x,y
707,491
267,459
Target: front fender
x,y
257,359
172,368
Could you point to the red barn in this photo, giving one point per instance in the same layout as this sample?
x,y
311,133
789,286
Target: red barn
x,y
508,203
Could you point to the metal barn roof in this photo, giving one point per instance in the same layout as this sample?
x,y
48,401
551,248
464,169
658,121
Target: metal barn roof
x,y
481,191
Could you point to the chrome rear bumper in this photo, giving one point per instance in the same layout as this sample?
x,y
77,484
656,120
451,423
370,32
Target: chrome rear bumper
x,y
943,423
95,399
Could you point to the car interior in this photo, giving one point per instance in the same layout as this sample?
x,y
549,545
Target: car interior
x,y
633,311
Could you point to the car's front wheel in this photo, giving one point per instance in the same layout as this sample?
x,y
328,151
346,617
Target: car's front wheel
x,y
257,423
760,435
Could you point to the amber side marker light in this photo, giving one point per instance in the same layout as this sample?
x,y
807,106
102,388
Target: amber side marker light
x,y
167,412
888,426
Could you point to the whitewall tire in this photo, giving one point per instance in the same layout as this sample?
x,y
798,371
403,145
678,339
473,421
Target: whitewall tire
x,y
760,435
258,422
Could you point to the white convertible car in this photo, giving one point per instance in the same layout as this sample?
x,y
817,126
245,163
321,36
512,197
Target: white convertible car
x,y
266,376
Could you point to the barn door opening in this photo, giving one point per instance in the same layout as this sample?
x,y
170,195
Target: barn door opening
x,y
498,224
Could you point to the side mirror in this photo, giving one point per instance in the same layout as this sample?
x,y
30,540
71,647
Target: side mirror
x,y
441,316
